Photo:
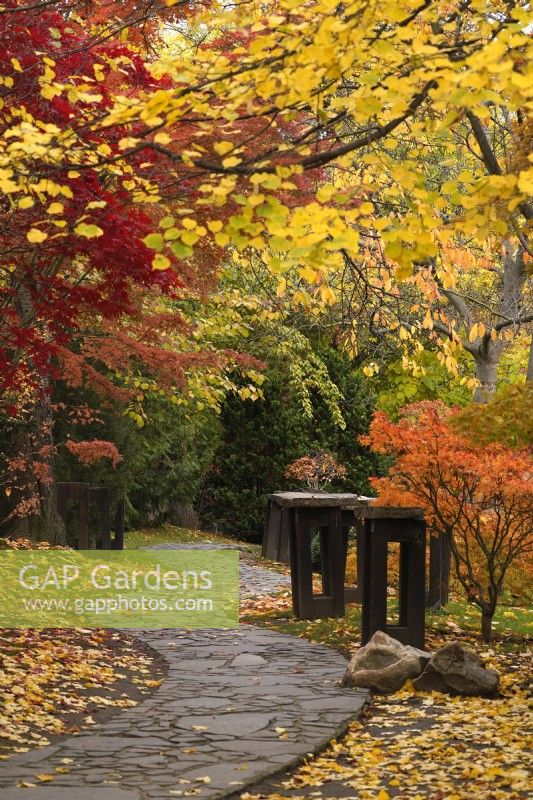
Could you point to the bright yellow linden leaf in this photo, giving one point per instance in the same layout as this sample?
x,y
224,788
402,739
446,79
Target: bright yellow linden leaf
x,y
55,208
88,231
231,161
26,202
160,261
35,236
222,239
223,147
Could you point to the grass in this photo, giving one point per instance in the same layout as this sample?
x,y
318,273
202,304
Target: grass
x,y
458,619
144,537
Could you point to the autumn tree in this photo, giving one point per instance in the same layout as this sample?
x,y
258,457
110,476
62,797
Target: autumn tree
x,y
85,301
478,496
472,294
271,137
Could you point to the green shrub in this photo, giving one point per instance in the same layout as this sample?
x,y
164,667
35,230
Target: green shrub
x,y
261,439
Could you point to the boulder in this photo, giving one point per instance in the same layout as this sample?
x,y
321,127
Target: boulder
x,y
384,664
457,671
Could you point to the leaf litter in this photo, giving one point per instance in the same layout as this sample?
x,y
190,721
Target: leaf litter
x,y
54,682
429,746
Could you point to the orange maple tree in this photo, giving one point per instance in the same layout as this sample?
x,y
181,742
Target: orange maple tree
x,y
479,496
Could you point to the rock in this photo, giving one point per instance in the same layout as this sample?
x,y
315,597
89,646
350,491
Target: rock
x,y
384,664
458,671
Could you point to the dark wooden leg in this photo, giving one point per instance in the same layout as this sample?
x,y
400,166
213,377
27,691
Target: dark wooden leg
x,y
434,597
284,556
83,519
446,566
105,520
325,560
404,582
359,556
374,611
301,567
412,587
295,566
337,564
118,541
413,584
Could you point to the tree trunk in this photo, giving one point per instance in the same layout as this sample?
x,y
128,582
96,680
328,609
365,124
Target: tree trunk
x,y
486,373
486,626
529,375
34,441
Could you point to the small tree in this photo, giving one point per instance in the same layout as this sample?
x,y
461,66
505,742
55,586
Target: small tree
x,y
480,496
316,470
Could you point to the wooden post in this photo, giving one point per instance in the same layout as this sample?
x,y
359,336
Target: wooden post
x,y
100,496
439,571
83,521
374,583
301,566
118,541
381,526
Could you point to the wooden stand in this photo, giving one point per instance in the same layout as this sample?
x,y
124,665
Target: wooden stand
x,y
293,518
381,526
84,494
276,547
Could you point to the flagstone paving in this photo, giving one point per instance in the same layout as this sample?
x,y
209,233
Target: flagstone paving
x,y
254,580
236,705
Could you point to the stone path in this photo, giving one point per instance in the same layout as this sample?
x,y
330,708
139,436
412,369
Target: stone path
x,y
236,706
254,580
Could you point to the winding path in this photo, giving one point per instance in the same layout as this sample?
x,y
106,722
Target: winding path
x,y
236,706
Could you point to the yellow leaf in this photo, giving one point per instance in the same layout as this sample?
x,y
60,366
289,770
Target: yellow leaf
x,y
223,147
222,239
309,275
45,777
215,226
327,295
160,261
35,236
55,208
26,202
231,161
88,231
